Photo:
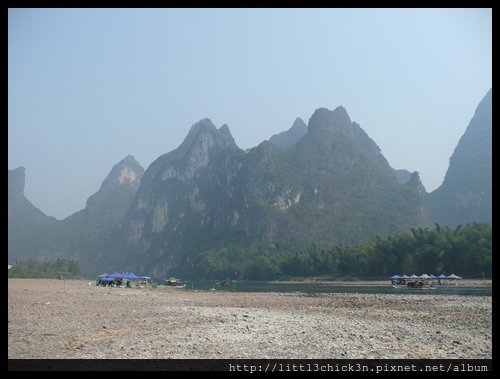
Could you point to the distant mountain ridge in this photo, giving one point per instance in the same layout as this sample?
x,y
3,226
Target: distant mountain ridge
x,y
331,185
466,192
326,181
285,140
25,221
402,176
79,236
108,206
18,204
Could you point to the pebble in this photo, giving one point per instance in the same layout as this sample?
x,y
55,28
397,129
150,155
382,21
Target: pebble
x,y
250,325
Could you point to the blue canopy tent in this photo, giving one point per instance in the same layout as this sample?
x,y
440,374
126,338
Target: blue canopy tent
x,y
121,278
104,278
395,277
130,275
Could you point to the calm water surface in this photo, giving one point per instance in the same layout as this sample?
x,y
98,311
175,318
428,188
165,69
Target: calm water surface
x,y
247,286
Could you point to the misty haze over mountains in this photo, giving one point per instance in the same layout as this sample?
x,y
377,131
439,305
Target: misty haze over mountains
x,y
466,192
326,181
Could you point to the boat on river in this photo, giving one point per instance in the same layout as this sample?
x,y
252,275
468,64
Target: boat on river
x,y
174,283
414,286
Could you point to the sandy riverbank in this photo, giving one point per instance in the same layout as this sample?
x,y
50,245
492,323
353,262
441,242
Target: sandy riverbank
x,y
69,319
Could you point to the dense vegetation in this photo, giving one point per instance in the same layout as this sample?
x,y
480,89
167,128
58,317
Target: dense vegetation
x,y
34,268
464,250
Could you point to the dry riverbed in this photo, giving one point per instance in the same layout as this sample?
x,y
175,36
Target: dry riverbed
x,y
70,319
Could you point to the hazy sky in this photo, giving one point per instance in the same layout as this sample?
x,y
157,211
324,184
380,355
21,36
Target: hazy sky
x,y
88,87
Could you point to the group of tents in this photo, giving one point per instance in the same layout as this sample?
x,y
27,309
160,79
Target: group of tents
x,y
120,279
423,280
425,276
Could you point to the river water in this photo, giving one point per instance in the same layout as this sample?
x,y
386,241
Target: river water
x,y
250,286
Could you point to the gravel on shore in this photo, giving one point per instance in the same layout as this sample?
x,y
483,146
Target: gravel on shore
x,y
70,319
